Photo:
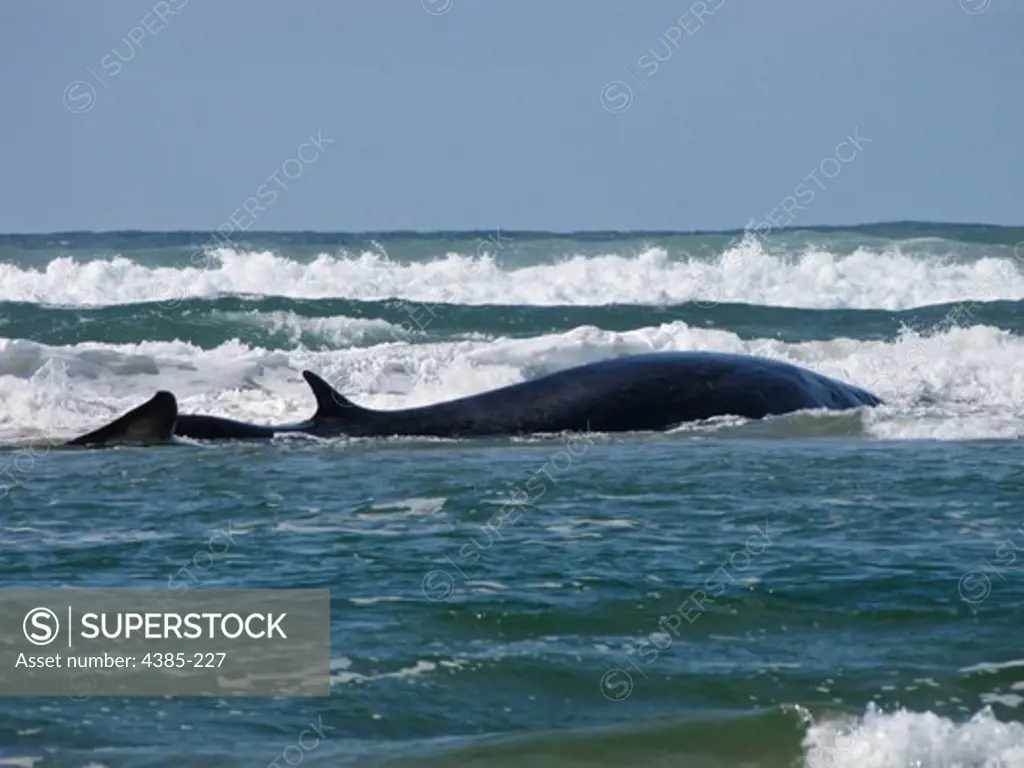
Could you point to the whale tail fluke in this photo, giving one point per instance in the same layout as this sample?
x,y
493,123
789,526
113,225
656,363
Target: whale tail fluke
x,y
151,422
331,404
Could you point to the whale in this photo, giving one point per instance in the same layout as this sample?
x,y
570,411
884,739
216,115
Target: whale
x,y
153,421
639,393
158,421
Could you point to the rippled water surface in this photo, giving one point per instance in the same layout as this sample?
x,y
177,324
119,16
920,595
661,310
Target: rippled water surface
x,y
812,590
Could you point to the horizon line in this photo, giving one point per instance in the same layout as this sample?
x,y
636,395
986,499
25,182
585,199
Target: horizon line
x,y
520,232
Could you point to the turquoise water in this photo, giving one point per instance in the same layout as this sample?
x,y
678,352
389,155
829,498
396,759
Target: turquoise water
x,y
813,590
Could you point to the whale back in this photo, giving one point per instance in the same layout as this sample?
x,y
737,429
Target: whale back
x,y
334,408
151,422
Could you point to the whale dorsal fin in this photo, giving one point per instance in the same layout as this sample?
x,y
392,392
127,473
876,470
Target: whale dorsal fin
x,y
330,403
151,422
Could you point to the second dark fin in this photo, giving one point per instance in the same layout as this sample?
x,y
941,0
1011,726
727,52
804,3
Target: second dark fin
x,y
330,404
151,422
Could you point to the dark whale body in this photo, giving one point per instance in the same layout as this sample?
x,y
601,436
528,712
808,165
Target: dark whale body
x,y
150,422
157,420
655,391
218,428
648,392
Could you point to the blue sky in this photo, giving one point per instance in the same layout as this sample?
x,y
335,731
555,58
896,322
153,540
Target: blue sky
x,y
478,114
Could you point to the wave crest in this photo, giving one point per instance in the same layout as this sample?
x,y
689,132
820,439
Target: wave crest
x,y
743,273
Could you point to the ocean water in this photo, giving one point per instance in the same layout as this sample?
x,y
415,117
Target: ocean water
x,y
813,590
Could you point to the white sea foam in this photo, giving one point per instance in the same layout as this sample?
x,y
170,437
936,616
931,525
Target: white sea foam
x,y
814,278
19,762
340,674
925,740
958,383
338,330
